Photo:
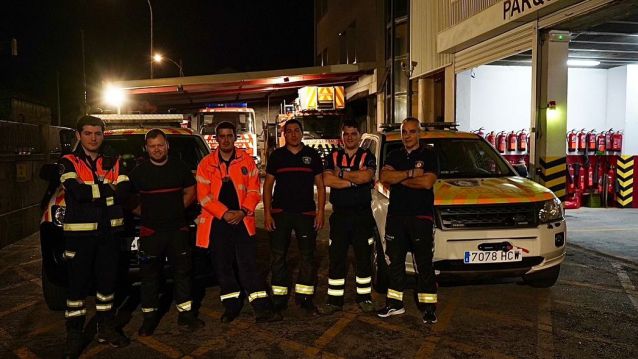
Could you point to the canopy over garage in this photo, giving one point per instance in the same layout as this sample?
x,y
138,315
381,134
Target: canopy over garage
x,y
192,92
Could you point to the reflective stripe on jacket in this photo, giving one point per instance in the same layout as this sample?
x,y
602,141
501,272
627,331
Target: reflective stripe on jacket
x,y
245,177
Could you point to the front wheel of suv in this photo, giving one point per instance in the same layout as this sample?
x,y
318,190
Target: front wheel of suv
x,y
543,279
379,265
54,294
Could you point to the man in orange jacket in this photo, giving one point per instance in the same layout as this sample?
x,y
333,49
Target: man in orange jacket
x,y
228,192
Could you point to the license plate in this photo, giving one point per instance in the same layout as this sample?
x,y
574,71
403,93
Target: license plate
x,y
472,257
135,243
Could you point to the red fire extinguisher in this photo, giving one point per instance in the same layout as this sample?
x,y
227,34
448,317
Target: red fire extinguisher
x,y
511,141
616,141
599,175
522,140
582,140
590,176
571,186
572,141
479,132
601,144
608,137
501,141
579,174
611,176
591,140
491,138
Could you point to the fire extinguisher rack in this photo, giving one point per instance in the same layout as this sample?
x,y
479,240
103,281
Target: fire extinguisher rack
x,y
513,145
591,171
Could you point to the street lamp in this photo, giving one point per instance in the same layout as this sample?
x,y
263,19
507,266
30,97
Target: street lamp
x,y
114,96
150,9
159,58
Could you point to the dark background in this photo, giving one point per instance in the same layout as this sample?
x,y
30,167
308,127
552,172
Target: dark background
x,y
208,36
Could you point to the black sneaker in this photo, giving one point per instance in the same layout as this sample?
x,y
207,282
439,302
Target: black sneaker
x,y
229,316
74,344
366,306
151,320
429,316
268,316
309,307
106,334
280,306
189,321
389,311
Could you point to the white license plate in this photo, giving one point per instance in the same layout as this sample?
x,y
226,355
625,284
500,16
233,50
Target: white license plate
x,y
472,257
135,243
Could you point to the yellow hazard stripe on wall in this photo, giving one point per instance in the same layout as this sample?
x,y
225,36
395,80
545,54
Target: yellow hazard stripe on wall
x,y
340,97
625,181
554,174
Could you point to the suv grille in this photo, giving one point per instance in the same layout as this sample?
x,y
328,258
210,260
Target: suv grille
x,y
488,216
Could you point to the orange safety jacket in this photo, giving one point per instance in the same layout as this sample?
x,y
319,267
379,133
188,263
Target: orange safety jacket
x,y
91,204
211,171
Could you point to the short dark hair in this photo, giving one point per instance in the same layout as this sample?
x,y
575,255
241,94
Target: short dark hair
x,y
411,119
87,120
225,125
154,133
293,121
349,123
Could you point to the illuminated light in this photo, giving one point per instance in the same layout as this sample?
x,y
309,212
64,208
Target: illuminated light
x,y
552,111
582,63
158,58
114,96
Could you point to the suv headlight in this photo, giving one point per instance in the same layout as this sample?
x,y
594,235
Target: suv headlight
x,y
551,210
58,215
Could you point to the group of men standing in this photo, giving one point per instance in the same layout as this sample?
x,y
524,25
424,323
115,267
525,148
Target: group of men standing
x,y
227,187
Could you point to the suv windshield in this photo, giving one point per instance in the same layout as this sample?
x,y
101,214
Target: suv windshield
x,y
190,149
462,158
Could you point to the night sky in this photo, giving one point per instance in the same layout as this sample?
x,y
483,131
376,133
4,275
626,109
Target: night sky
x,y
208,36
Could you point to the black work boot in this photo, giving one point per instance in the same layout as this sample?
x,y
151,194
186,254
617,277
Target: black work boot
x,y
75,340
188,320
308,306
151,320
267,316
107,334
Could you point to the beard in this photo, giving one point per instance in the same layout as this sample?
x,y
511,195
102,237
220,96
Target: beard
x,y
159,160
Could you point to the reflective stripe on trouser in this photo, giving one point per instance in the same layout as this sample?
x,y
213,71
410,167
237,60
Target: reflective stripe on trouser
x,y
427,298
235,257
404,233
175,246
303,225
184,307
91,261
349,227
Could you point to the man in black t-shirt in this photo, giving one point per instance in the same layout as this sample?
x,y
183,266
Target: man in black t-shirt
x,y
296,169
166,187
411,173
349,173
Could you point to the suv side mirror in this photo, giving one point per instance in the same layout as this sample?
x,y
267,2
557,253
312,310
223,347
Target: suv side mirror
x,y
521,169
50,172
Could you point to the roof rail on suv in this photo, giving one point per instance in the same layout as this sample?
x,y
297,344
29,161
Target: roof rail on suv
x,y
387,127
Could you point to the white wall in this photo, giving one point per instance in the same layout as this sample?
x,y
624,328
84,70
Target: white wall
x,y
464,100
630,139
501,98
587,99
616,97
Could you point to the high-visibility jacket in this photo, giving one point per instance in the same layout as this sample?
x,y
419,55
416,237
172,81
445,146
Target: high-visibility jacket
x,y
92,206
211,171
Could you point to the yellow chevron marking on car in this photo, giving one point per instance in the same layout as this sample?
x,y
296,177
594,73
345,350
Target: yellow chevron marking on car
x,y
489,191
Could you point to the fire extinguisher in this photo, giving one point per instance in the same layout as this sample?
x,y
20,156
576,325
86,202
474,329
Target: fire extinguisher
x,y
590,176
479,132
611,176
600,173
616,141
501,140
608,137
511,141
571,186
591,140
582,140
601,145
579,175
491,138
572,141
522,140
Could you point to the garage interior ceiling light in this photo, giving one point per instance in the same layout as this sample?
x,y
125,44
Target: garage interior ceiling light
x,y
582,63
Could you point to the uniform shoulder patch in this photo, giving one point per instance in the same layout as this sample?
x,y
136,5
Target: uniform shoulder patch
x,y
244,171
306,160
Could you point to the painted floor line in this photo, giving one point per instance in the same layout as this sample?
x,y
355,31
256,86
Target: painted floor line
x,y
626,283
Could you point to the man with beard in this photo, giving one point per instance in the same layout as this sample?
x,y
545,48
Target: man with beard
x,y
167,188
296,169
349,173
228,191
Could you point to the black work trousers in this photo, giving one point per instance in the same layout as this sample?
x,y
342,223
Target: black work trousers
x,y
235,256
403,234
91,258
350,227
303,225
155,247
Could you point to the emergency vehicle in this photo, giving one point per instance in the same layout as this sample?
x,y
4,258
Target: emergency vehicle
x,y
320,109
489,218
240,115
